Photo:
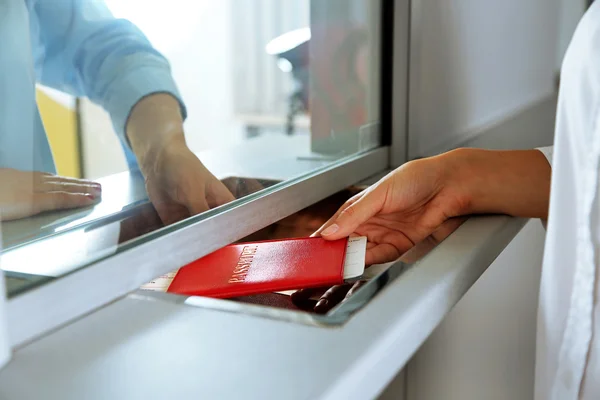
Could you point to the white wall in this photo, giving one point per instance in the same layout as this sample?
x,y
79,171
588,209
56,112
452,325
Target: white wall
x,y
396,390
475,62
571,12
485,348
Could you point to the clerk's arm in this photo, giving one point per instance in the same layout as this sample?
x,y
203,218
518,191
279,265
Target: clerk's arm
x,y
87,52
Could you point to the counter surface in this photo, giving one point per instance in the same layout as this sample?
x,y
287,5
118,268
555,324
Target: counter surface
x,y
113,352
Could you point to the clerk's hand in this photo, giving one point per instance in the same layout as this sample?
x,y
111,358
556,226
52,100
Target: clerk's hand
x,y
27,193
327,297
178,184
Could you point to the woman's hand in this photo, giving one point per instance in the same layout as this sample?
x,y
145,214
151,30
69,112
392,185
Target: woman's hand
x,y
327,298
399,211
26,193
178,184
412,202
421,203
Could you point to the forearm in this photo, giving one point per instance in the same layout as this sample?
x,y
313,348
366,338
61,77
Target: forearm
x,y
155,123
504,182
177,183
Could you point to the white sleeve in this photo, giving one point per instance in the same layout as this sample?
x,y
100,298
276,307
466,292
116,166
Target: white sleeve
x,y
548,152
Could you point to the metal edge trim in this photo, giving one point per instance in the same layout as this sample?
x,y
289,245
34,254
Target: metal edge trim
x,y
400,82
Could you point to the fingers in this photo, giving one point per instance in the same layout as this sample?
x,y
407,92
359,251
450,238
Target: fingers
x,y
303,298
44,182
382,253
50,201
357,285
218,194
353,215
145,221
331,220
61,193
395,245
27,193
328,300
336,295
331,298
203,195
70,187
425,246
171,213
195,204
178,203
168,210
447,228
44,178
241,187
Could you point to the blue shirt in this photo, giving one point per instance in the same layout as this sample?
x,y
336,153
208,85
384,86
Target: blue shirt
x,y
78,47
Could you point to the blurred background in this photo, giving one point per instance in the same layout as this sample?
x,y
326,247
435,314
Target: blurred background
x,y
218,50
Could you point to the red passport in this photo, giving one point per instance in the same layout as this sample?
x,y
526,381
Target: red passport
x,y
271,266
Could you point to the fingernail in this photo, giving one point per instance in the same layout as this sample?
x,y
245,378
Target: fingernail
x,y
330,230
90,196
322,305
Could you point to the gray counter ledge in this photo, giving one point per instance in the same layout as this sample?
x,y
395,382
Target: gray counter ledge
x,y
137,348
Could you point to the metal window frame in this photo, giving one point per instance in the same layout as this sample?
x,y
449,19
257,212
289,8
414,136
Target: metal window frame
x,y
402,34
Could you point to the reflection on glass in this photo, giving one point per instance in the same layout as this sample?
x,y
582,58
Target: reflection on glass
x,y
68,249
151,112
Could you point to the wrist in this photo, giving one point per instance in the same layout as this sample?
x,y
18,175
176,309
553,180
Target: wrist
x,y
457,179
500,182
155,125
467,175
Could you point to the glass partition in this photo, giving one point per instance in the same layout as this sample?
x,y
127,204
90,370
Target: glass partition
x,y
129,120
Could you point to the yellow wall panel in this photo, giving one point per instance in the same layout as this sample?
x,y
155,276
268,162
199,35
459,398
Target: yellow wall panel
x,y
60,122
